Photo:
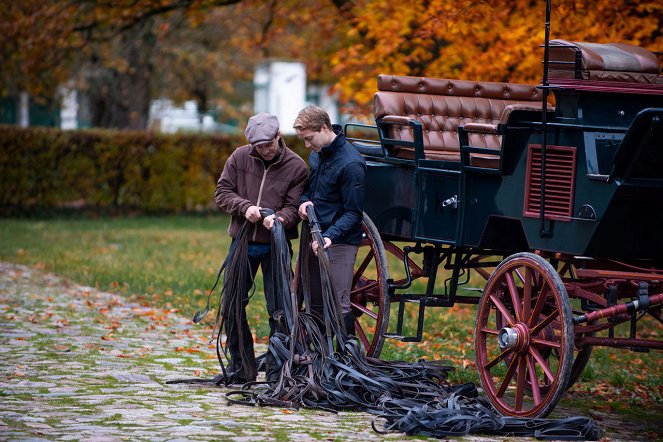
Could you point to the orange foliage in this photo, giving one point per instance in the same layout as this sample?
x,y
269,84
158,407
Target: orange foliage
x,y
496,40
206,49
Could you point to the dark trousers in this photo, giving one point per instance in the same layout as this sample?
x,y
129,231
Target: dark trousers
x,y
259,256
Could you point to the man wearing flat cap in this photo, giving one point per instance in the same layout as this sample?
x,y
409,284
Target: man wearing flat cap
x,y
262,174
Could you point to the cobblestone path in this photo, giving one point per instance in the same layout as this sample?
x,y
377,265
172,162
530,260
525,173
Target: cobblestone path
x,y
79,364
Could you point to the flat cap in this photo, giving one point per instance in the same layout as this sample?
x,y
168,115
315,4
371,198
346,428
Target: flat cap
x,y
261,128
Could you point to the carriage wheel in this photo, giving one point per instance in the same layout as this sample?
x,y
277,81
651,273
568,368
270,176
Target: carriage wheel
x,y
369,297
524,316
580,361
582,353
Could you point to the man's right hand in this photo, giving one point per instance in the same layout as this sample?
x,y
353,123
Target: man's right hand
x,y
253,214
302,209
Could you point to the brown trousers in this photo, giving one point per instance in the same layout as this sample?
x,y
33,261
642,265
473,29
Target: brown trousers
x,y
341,262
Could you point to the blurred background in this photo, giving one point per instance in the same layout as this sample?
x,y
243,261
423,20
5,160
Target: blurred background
x,y
206,65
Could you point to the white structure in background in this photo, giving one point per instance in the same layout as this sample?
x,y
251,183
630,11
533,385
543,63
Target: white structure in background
x,y
69,109
279,87
168,118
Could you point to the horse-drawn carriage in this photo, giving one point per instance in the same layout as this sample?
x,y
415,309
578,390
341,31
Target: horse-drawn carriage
x,y
558,208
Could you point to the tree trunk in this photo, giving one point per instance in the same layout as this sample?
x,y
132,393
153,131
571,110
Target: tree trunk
x,y
119,96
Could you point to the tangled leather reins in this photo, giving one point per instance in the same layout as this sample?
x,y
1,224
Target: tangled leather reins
x,y
413,398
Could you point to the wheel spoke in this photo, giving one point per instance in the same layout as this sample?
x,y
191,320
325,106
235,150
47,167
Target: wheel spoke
x,y
520,384
490,331
520,275
544,365
365,310
362,337
536,392
546,343
548,319
538,307
502,308
513,292
364,288
362,268
502,355
507,377
527,295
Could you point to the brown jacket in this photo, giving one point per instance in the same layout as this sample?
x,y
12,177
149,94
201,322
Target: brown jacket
x,y
246,182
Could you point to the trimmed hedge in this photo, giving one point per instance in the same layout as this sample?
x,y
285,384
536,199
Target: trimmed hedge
x,y
44,168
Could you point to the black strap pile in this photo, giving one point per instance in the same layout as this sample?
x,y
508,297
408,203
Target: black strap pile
x,y
460,415
413,398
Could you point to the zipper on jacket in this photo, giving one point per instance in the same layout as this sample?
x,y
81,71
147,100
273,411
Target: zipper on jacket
x,y
262,184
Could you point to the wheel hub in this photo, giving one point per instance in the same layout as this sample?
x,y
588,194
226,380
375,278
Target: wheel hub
x,y
516,337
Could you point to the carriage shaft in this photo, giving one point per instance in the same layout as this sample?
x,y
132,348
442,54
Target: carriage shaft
x,y
628,307
619,342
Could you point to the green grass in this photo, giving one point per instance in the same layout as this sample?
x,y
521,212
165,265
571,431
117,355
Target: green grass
x,y
171,262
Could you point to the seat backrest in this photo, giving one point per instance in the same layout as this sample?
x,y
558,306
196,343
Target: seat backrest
x,y
442,105
603,62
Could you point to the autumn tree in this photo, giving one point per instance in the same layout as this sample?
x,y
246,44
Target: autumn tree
x,y
494,40
105,45
211,57
126,52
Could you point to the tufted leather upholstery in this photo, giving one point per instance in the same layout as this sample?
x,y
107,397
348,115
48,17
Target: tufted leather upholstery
x,y
442,106
603,62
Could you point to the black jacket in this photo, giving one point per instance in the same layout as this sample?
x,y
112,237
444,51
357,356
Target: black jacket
x,y
336,188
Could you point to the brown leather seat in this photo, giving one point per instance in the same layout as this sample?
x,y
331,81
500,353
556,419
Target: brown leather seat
x,y
441,106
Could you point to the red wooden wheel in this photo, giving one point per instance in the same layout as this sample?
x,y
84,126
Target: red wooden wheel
x,y
524,337
369,297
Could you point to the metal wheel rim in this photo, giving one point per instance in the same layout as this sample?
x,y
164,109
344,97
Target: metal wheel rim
x,y
369,297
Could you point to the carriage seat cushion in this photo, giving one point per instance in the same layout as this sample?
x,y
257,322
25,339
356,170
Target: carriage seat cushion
x,y
442,106
603,62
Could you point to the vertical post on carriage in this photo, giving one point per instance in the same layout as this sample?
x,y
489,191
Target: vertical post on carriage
x,y
543,232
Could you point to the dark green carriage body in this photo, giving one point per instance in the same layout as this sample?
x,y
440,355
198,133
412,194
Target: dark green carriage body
x,y
610,179
465,165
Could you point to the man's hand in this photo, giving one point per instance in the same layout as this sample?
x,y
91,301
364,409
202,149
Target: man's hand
x,y
315,246
253,214
302,209
268,222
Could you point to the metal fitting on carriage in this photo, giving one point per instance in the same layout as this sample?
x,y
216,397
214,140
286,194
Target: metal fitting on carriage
x,y
453,201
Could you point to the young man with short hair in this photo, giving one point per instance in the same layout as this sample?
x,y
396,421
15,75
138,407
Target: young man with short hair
x,y
336,191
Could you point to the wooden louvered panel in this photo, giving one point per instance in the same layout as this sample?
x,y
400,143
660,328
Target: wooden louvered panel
x,y
560,181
